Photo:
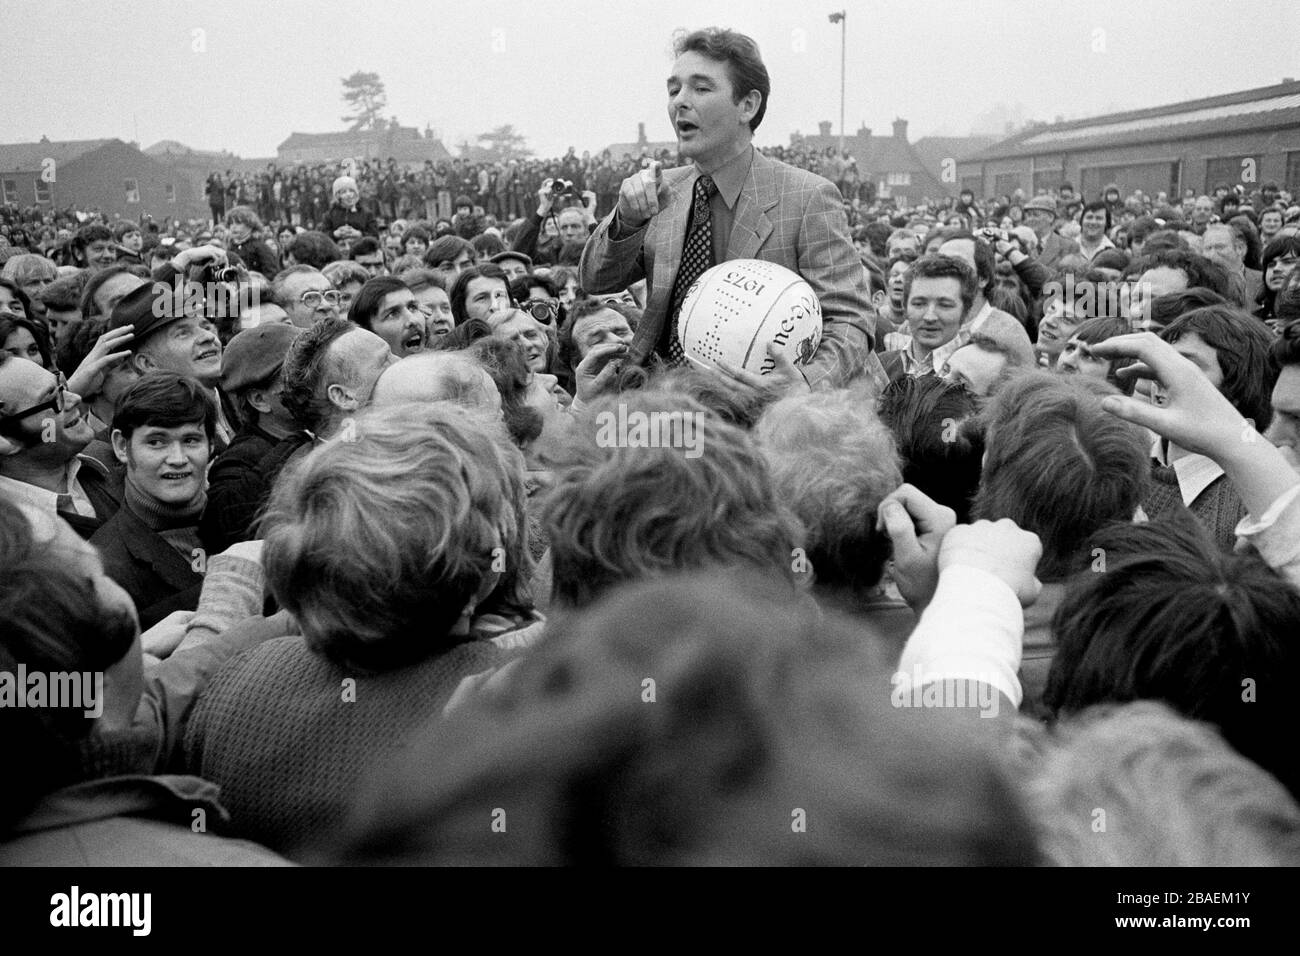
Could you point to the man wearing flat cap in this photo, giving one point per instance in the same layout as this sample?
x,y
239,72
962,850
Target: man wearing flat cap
x,y
250,376
170,335
1040,216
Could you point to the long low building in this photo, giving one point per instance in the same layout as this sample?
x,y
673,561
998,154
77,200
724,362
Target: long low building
x,y
103,175
1251,137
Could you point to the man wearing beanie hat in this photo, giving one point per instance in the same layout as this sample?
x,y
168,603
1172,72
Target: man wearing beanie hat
x,y
346,211
250,375
1040,216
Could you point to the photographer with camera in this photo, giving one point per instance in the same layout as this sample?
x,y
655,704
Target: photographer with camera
x,y
555,203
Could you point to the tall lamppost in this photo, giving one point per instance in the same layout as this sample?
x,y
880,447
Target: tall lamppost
x,y
842,18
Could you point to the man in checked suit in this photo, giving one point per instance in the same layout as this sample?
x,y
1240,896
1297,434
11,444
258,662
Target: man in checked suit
x,y
758,208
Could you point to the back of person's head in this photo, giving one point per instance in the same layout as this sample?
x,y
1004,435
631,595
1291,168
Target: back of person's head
x,y
1166,308
753,733
164,399
1241,342
1169,617
734,403
1200,271
931,420
985,261
430,496
341,274
1059,465
315,249
55,622
1115,259
419,279
1138,785
834,461
365,246
64,293
652,483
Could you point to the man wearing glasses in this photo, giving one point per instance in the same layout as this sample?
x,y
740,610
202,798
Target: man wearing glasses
x,y
306,296
43,429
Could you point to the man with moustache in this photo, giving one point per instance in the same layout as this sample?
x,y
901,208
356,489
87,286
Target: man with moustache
x,y
731,202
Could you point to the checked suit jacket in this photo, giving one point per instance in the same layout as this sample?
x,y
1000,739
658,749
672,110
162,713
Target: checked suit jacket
x,y
784,215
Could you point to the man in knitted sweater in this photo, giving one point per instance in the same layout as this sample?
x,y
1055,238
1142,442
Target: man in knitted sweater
x,y
402,557
163,432
1232,350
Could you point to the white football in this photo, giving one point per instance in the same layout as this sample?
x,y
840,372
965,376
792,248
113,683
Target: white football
x,y
734,310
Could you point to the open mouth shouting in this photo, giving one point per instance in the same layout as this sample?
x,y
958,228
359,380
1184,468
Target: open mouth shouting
x,y
685,128
412,341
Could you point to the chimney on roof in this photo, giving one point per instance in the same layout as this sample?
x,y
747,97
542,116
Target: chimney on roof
x,y
1288,79
45,139
900,129
864,132
824,128
640,134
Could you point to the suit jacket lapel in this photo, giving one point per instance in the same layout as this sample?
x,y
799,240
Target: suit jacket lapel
x,y
673,238
751,226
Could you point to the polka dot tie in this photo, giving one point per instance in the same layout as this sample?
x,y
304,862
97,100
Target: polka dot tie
x,y
697,258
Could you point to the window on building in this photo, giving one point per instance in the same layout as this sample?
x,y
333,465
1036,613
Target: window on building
x,y
1231,170
1293,173
132,190
10,190
1048,179
42,190
898,179
1151,178
1004,184
169,192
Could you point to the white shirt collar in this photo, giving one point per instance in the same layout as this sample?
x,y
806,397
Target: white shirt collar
x,y
1194,472
48,501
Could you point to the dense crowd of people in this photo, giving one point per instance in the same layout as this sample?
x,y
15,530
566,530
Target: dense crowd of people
x,y
365,579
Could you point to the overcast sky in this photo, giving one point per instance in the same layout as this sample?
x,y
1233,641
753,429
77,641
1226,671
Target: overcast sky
x,y
584,72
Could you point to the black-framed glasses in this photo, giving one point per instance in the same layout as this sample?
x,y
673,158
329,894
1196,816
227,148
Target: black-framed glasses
x,y
543,310
314,299
55,403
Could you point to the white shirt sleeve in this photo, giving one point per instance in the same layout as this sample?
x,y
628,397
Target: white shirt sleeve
x,y
972,630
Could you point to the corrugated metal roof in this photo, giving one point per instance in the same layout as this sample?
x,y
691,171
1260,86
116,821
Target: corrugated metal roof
x,y
1243,111
1067,136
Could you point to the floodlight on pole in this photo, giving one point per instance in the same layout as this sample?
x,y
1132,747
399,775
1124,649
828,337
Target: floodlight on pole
x,y
842,18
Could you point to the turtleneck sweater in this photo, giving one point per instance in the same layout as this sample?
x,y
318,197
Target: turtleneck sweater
x,y
177,524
